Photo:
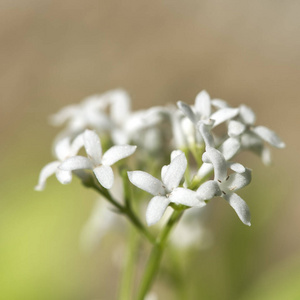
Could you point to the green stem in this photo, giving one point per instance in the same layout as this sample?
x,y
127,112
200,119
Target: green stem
x,y
156,255
128,268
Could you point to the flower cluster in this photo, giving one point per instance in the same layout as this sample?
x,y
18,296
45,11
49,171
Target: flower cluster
x,y
201,166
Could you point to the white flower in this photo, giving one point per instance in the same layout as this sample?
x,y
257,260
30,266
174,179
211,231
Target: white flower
x,y
100,164
202,110
253,137
167,190
62,150
89,113
225,185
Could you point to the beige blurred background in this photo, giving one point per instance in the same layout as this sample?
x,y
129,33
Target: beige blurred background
x,y
54,53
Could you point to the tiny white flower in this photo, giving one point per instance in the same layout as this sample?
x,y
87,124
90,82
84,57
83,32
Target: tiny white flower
x,y
225,185
202,110
100,164
62,150
167,190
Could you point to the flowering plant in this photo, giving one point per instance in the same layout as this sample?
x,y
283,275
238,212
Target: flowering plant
x,y
137,148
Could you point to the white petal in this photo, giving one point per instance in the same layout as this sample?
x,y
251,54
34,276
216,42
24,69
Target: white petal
x,y
247,115
120,106
146,182
223,115
175,172
156,209
105,176
205,169
269,136
208,190
205,132
117,153
92,146
187,111
202,104
240,207
230,148
46,172
175,153
236,167
219,163
237,181
76,145
235,128
64,177
63,115
185,197
219,103
76,163
62,148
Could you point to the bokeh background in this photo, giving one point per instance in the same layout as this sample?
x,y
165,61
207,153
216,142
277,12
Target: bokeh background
x,y
55,53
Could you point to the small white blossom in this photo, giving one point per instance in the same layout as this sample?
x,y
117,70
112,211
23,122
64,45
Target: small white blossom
x,y
100,164
167,190
62,150
225,185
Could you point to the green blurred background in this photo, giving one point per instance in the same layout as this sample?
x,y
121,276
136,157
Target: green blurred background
x,y
55,53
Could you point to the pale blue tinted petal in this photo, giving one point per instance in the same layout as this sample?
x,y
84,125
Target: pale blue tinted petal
x,y
185,197
230,148
269,136
76,163
208,190
46,172
237,181
223,115
205,132
105,176
240,207
117,153
146,182
92,146
219,163
202,104
64,177
187,111
156,208
247,115
175,172
235,128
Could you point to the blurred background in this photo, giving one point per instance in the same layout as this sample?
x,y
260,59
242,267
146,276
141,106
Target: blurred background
x,y
54,53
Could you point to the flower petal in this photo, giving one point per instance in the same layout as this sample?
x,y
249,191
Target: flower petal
x,y
205,169
105,176
146,182
219,103
236,167
230,147
76,145
237,181
208,190
174,173
235,128
202,104
269,136
187,111
46,172
62,148
156,209
92,146
247,115
117,153
185,197
240,207
120,106
76,163
64,177
266,156
223,115
205,132
218,161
